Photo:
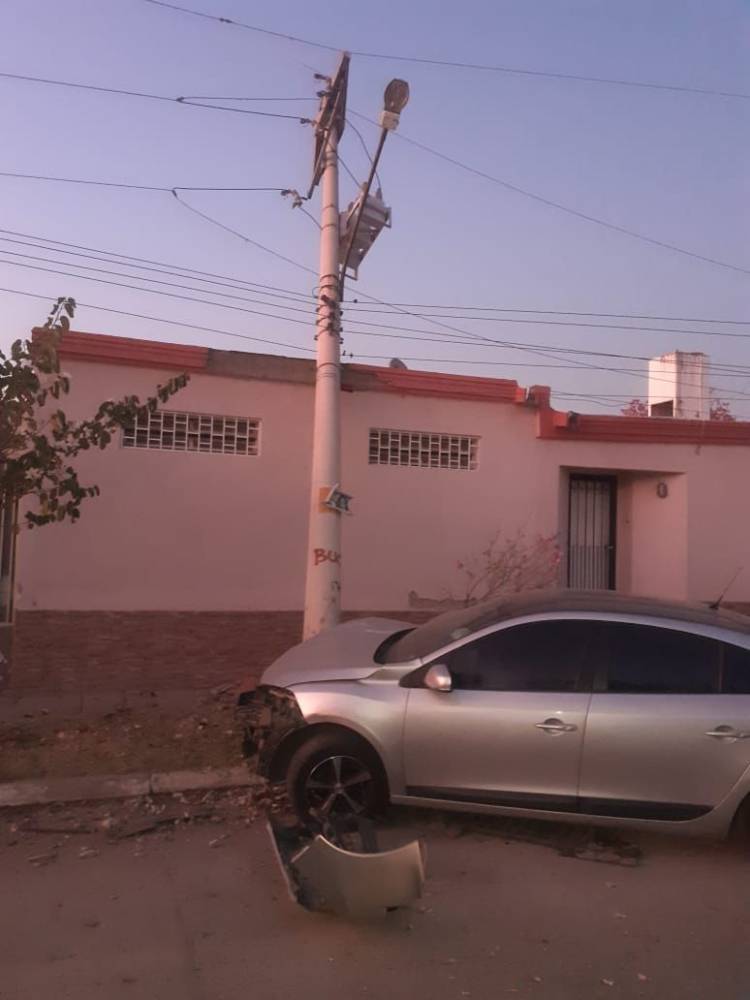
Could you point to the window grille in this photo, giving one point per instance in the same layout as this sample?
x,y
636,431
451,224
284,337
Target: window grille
x,y
423,450
172,431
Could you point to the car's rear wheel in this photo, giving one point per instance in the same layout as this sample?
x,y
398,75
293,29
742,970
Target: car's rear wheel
x,y
335,778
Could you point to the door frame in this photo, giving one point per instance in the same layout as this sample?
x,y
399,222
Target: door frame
x,y
611,480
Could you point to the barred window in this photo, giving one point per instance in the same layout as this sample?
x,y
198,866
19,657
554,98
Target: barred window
x,y
172,431
422,449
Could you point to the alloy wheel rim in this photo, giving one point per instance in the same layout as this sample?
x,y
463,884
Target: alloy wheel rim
x,y
338,787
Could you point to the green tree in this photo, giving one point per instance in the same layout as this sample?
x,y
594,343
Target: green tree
x,y
38,443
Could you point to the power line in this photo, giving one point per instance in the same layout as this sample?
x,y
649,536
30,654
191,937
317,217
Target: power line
x,y
550,203
558,312
301,322
236,283
209,275
262,340
580,325
454,64
159,319
348,170
184,101
434,322
286,345
721,369
479,337
479,363
270,100
368,154
628,396
173,189
157,291
241,236
483,362
310,311
135,187
425,318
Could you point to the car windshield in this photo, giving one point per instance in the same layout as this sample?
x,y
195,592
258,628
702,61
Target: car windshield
x,y
419,642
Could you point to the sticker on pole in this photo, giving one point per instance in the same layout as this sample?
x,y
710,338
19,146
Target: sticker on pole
x,y
337,500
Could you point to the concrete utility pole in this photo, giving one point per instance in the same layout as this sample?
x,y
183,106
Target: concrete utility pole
x,y
323,575
362,223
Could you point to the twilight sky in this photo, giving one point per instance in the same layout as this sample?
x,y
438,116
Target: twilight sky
x,y
670,165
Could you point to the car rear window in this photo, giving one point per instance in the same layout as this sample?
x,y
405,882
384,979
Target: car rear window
x,y
647,659
736,670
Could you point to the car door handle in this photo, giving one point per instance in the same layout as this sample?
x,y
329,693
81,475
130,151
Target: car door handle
x,y
727,733
555,726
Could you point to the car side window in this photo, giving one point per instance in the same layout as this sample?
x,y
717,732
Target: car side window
x,y
647,659
536,656
736,669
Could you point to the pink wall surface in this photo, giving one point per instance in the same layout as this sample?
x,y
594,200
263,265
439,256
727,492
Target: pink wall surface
x,y
653,535
177,530
188,531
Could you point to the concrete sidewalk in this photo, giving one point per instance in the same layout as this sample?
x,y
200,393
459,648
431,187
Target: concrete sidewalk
x,y
89,788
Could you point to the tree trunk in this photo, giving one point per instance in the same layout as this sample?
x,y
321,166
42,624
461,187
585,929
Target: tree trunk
x,y
8,516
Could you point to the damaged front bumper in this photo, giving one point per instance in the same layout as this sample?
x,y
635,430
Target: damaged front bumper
x,y
320,872
267,716
323,876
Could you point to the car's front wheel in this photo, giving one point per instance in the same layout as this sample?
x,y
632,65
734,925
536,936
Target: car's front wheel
x,y
335,778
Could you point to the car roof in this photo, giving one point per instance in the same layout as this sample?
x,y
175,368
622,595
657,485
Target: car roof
x,y
604,602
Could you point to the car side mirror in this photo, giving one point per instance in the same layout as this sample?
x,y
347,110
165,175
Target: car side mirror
x,y
438,678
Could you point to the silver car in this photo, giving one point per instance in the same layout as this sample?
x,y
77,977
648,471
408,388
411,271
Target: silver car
x,y
585,707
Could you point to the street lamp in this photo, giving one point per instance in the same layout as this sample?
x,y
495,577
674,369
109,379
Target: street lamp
x,y
368,215
395,98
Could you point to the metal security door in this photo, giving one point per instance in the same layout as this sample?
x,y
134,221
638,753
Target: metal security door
x,y
591,532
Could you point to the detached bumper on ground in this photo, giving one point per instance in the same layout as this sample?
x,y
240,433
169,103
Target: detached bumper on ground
x,y
320,874
324,876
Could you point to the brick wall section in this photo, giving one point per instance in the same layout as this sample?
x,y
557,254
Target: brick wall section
x,y
82,651
87,651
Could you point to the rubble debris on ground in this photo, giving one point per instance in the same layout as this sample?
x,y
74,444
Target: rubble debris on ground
x,y
126,820
146,737
606,846
43,859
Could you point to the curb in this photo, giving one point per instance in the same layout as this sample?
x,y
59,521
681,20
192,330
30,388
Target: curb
x,y
119,786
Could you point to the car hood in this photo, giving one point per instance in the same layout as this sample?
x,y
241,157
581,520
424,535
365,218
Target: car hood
x,y
345,652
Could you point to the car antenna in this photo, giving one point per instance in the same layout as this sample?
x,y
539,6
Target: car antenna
x,y
715,605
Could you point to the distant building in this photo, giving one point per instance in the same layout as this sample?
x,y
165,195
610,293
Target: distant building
x,y
678,386
189,568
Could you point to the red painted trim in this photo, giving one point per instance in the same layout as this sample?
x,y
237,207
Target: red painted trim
x,y
420,383
552,425
557,426
99,347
